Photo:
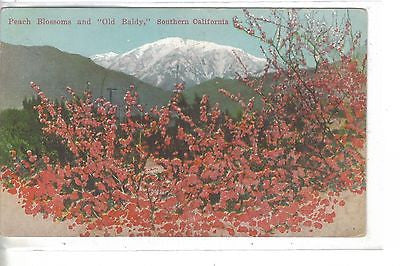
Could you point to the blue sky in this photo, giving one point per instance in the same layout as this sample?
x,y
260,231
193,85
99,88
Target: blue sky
x,y
97,38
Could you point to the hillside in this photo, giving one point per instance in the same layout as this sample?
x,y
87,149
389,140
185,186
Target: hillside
x,y
54,70
211,88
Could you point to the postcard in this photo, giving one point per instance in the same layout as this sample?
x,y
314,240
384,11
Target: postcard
x,y
194,122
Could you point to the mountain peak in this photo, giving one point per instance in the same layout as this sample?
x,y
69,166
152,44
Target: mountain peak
x,y
171,40
174,59
177,42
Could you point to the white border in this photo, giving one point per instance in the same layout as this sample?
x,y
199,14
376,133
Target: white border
x,y
373,240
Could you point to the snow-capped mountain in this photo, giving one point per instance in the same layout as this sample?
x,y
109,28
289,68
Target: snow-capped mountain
x,y
171,60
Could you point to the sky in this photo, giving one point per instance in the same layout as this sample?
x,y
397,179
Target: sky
x,y
99,38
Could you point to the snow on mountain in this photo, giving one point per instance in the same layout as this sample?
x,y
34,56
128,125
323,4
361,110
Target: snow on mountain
x,y
168,61
105,59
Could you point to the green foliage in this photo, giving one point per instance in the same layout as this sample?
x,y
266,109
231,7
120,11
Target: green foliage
x,y
20,130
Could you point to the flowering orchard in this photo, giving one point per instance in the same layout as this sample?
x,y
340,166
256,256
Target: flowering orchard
x,y
278,168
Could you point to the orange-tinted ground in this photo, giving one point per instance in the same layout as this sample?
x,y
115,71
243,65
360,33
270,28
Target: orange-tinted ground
x,y
350,220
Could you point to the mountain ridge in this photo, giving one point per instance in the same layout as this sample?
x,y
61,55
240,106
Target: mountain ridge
x,y
171,60
53,70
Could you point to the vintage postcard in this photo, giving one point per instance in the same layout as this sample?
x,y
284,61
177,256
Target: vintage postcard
x,y
183,122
